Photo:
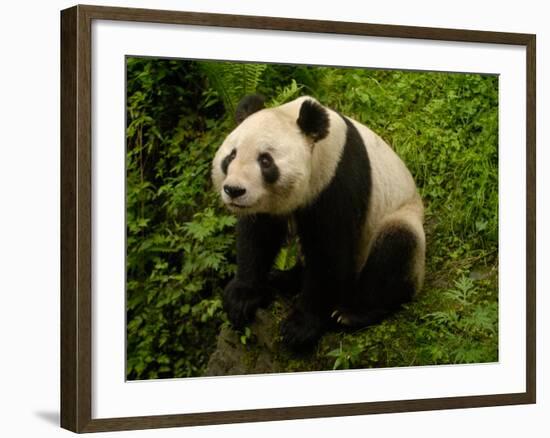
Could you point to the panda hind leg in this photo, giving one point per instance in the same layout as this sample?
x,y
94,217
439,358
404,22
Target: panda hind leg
x,y
391,276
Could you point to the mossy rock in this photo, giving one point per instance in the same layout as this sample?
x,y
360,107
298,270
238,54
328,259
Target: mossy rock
x,y
257,356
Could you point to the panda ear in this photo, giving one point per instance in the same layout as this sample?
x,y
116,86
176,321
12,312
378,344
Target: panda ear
x,y
313,120
248,105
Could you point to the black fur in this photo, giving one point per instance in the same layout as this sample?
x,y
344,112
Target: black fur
x,y
313,120
248,105
227,160
241,300
385,282
288,282
329,232
259,239
270,171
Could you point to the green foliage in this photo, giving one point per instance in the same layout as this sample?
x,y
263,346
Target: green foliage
x,y
445,127
464,329
233,80
286,94
468,324
180,243
346,358
245,336
179,246
288,256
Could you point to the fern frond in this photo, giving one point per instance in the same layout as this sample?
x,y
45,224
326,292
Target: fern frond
x,y
232,80
286,94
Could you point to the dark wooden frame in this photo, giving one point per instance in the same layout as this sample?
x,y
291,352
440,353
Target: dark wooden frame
x,y
76,243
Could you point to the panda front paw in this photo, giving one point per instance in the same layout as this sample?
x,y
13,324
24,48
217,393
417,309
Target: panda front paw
x,y
301,330
241,300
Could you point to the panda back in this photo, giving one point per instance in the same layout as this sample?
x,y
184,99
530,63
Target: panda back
x,y
393,191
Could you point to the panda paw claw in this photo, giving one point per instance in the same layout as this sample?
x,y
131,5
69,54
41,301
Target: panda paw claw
x,y
353,319
341,317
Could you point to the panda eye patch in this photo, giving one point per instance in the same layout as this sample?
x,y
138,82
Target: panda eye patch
x,y
270,171
227,160
265,160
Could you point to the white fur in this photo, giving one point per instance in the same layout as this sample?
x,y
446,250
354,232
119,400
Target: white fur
x,y
274,130
394,199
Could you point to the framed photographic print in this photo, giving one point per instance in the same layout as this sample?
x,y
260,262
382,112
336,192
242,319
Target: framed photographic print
x,y
268,218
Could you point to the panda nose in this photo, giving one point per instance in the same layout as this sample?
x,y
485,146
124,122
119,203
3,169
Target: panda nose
x,y
234,191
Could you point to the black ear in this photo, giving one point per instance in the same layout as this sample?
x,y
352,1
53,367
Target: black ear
x,y
248,105
313,120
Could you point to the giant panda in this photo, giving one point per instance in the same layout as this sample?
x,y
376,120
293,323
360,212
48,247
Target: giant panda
x,y
352,202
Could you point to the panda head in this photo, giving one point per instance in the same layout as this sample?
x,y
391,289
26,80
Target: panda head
x,y
265,164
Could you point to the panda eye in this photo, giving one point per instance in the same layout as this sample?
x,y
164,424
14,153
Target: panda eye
x,y
265,160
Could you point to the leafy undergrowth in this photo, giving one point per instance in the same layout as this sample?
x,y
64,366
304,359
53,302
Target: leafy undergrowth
x,y
180,242
453,323
443,326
